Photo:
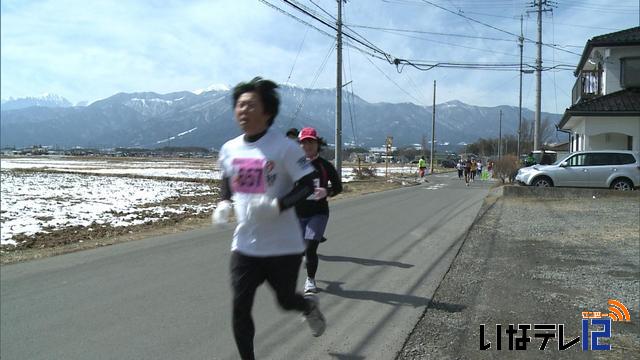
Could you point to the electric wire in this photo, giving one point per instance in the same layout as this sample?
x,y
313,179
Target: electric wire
x,y
319,71
298,54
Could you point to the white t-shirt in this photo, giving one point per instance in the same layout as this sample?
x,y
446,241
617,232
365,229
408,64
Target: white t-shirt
x,y
269,166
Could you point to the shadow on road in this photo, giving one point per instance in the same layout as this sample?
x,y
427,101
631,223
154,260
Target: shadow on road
x,y
335,288
346,356
362,261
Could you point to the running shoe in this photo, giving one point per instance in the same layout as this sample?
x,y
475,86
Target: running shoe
x,y
314,317
310,286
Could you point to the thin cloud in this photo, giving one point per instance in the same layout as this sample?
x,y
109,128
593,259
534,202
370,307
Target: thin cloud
x,y
91,50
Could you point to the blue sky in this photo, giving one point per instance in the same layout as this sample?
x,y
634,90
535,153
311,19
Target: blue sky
x,y
89,50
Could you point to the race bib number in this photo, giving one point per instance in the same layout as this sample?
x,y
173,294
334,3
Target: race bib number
x,y
249,176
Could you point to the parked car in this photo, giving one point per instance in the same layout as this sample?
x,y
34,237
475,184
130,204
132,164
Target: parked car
x,y
615,169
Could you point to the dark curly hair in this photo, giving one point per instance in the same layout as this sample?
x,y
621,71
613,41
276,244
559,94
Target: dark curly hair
x,y
267,91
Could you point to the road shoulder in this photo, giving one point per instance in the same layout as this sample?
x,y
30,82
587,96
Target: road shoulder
x,y
535,261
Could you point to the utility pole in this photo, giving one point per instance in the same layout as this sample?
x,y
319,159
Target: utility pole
x,y
500,137
521,38
536,125
433,129
338,153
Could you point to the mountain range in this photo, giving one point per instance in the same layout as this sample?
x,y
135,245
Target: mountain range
x,y
205,119
46,100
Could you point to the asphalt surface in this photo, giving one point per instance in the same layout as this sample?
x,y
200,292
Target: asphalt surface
x,y
169,297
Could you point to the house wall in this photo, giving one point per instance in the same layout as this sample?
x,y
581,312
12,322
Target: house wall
x,y
605,133
613,141
618,128
611,76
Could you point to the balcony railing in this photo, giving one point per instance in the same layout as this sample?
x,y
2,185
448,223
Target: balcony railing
x,y
587,86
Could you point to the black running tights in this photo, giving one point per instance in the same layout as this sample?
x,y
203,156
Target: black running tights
x,y
247,273
312,257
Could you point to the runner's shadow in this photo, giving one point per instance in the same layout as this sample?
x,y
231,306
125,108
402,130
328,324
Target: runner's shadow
x,y
335,288
365,262
346,356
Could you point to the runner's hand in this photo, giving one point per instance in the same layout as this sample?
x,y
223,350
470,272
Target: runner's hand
x,y
320,193
262,209
222,213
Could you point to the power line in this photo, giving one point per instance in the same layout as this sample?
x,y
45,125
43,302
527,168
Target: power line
x,y
386,57
491,26
319,71
431,33
323,10
457,45
298,54
295,18
400,63
391,80
450,34
371,47
544,22
351,100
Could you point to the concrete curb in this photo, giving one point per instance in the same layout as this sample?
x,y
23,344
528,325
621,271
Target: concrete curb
x,y
562,193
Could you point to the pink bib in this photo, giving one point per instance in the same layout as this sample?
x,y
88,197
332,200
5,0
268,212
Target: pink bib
x,y
249,176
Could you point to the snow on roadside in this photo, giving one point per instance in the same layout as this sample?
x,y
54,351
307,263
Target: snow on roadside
x,y
154,168
35,201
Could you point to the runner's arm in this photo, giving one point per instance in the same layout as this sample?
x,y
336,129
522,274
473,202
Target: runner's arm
x,y
336,182
301,190
225,189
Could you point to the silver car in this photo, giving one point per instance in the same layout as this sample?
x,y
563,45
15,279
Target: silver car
x,y
615,169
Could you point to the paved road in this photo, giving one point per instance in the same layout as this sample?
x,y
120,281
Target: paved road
x,y
169,297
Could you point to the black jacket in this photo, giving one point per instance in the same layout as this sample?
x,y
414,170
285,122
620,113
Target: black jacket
x,y
325,173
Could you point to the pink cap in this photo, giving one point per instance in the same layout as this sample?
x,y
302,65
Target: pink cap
x,y
308,133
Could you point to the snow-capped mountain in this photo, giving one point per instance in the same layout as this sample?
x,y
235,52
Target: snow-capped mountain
x,y
45,100
212,87
150,119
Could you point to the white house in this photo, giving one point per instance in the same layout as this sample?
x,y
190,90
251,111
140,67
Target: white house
x,y
605,110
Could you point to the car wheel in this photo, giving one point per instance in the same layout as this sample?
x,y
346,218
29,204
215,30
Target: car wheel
x,y
542,181
622,185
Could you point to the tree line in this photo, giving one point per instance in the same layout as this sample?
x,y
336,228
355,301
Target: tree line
x,y
489,147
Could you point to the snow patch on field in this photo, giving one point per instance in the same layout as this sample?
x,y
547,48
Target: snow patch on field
x,y
35,202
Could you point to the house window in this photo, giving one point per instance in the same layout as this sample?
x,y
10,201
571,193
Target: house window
x,y
630,72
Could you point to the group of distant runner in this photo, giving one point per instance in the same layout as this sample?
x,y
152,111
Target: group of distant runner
x,y
277,188
472,168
